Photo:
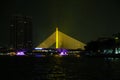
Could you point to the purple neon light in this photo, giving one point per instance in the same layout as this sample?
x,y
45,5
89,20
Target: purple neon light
x,y
20,53
63,53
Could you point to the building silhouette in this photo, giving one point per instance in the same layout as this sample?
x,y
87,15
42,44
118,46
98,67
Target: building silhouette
x,y
21,32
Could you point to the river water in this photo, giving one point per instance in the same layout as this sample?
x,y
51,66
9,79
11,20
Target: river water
x,y
59,68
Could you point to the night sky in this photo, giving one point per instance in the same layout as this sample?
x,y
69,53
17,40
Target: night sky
x,y
84,20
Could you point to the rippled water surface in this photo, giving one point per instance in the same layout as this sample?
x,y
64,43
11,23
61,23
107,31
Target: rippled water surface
x,y
59,68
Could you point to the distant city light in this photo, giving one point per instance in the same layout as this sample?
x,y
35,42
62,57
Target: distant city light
x,y
116,38
38,48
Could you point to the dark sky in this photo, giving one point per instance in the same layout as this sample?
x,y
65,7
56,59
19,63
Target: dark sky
x,y
84,20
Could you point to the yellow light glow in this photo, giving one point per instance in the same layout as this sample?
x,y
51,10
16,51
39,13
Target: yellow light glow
x,y
56,37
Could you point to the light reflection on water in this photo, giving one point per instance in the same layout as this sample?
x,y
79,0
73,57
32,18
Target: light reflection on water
x,y
61,68
51,69
111,59
69,68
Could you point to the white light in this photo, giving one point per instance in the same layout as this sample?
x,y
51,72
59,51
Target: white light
x,y
38,48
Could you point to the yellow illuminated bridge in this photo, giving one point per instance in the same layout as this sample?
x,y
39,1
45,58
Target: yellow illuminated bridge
x,y
61,40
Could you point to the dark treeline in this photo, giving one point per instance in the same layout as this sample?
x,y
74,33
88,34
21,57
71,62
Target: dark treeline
x,y
105,43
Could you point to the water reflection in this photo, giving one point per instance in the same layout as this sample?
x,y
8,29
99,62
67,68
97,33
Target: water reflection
x,y
61,68
111,59
50,69
56,71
